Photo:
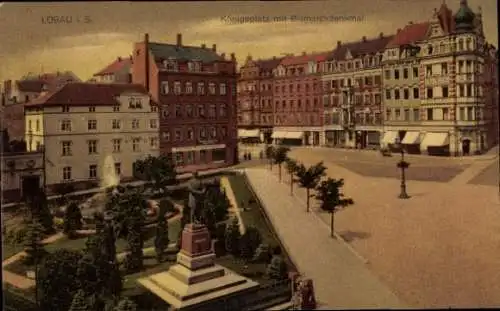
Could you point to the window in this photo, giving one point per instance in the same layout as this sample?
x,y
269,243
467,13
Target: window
x,y
368,80
30,125
66,148
201,111
416,93
135,124
211,88
405,73
219,155
65,109
177,88
165,111
189,110
153,123
430,115
407,115
178,111
153,108
461,90
416,114
190,157
178,135
429,92
67,173
396,74
118,168
92,171
469,90
398,114
470,115
201,88
378,80
179,159
165,88
203,133
222,89
213,132
91,108
92,125
189,88
92,146
117,145
165,136
116,108
377,99
223,132
66,125
387,94
116,125
415,72
212,111
445,113
428,70
444,68
445,91
462,113
387,74
223,110
406,94
203,156
153,142
388,114
429,49
190,134
136,144
396,94
37,125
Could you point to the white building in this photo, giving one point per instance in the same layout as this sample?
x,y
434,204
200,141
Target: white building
x,y
81,124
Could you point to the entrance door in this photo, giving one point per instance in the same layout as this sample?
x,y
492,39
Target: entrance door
x,y
465,147
30,185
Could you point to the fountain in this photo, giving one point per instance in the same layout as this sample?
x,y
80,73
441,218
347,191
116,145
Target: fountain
x,y
109,177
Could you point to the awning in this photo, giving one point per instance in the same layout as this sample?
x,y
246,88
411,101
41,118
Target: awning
x,y
435,140
248,133
287,135
411,138
390,137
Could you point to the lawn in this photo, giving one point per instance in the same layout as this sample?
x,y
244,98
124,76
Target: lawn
x,y
9,250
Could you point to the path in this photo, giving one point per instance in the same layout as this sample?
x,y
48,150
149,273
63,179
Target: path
x,y
341,279
472,171
234,210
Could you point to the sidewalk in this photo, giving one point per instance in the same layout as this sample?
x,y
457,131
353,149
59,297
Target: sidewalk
x,y
340,278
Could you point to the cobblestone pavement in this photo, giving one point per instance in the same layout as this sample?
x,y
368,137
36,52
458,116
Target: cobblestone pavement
x,y
438,249
489,176
341,280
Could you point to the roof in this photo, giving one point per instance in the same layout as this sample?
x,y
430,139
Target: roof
x,y
304,59
268,64
410,34
51,80
165,51
362,47
86,94
121,63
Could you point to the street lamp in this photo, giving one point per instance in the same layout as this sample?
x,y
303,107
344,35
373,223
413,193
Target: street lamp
x,y
402,165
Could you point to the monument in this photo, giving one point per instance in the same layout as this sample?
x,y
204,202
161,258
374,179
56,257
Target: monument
x,y
196,280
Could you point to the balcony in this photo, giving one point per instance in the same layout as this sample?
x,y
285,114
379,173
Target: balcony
x,y
437,79
465,78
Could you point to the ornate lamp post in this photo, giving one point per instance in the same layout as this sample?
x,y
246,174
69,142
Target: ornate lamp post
x,y
402,165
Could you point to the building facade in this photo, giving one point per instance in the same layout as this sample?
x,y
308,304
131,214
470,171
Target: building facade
x,y
297,106
22,174
352,86
196,90
118,71
455,111
83,126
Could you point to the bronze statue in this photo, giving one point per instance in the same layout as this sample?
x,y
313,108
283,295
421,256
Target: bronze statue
x,y
197,192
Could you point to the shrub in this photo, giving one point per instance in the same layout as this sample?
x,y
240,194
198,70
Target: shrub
x,y
262,254
277,269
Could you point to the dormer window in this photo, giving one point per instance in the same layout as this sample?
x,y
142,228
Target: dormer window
x,y
134,103
194,66
170,64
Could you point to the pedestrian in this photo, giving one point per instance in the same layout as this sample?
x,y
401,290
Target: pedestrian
x,y
249,156
245,156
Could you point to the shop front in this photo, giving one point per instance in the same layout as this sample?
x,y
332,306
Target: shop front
x,y
436,143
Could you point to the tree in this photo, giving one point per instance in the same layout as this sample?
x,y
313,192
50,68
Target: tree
x,y
62,190
81,302
72,220
160,171
270,155
309,178
332,199
41,211
57,279
249,242
277,269
280,156
161,238
33,243
125,305
232,237
291,167
262,254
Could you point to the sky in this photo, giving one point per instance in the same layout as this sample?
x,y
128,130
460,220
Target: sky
x,y
96,33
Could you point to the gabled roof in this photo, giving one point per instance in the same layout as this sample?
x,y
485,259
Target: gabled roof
x,y
304,59
362,47
410,34
118,65
86,94
165,51
36,84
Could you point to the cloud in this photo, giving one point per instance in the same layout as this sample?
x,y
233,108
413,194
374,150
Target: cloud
x,y
92,39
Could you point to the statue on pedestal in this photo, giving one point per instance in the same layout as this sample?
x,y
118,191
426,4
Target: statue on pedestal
x,y
196,199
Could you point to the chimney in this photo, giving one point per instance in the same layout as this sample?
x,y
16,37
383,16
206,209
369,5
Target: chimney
x,y
364,38
146,38
223,55
249,58
304,53
214,47
410,23
233,57
179,39
203,46
119,59
339,43
399,30
381,35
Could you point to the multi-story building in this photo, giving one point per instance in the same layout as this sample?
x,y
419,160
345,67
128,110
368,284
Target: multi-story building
x,y
458,83
297,104
352,86
196,90
80,125
255,99
118,71
17,93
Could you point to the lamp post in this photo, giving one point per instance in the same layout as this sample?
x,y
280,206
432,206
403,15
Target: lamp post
x,y
402,165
